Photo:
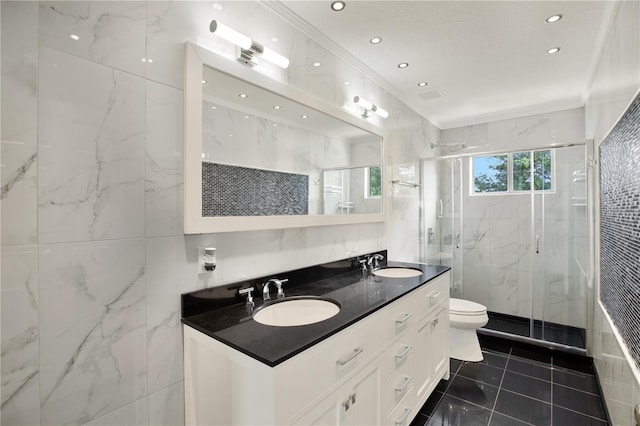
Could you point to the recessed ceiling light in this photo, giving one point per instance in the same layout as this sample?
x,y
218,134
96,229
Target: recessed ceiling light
x,y
275,125
403,64
217,6
304,116
74,37
553,50
276,107
230,134
204,81
346,83
275,39
214,107
316,64
375,40
147,60
553,18
246,116
422,84
242,95
338,5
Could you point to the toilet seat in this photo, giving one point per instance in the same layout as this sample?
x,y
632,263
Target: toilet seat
x,y
466,308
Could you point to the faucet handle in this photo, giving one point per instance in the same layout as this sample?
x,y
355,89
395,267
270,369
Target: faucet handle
x,y
279,287
248,292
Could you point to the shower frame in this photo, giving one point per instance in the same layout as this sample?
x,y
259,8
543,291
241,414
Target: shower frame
x,y
457,257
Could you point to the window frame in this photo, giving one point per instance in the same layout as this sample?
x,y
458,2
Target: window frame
x,y
510,190
367,183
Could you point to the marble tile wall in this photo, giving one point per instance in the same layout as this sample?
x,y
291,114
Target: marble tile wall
x,y
93,253
615,84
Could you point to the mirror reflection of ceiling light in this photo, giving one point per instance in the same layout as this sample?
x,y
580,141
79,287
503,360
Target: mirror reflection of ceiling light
x,y
368,106
422,84
242,95
249,49
553,50
403,64
316,64
204,81
74,37
338,5
553,18
305,116
375,40
276,107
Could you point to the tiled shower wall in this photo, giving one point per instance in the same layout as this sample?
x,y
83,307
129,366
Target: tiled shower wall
x,y
93,253
616,83
620,227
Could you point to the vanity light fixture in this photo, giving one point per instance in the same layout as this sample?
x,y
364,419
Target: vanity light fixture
x,y
553,50
338,6
368,106
553,18
249,49
375,40
403,64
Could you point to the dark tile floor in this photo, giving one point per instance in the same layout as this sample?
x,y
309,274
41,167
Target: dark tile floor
x,y
517,384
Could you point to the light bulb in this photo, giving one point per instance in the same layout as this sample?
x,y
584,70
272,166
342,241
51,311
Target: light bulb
x,y
230,35
362,102
274,57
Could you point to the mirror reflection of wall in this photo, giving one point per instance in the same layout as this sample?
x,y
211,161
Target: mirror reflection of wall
x,y
260,166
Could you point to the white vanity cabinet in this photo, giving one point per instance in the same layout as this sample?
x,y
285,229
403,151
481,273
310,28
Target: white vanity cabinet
x,y
378,371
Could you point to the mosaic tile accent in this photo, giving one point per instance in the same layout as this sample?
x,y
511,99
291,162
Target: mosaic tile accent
x,y
620,226
243,191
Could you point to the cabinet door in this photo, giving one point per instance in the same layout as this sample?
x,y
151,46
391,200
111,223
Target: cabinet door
x,y
361,402
440,346
326,413
423,348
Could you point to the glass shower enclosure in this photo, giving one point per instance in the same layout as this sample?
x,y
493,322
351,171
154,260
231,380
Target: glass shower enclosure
x,y
513,226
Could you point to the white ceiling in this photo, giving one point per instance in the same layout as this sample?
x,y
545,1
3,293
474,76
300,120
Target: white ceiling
x,y
483,60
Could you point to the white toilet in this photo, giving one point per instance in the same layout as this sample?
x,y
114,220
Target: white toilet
x,y
465,317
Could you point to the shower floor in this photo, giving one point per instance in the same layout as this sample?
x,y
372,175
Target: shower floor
x,y
551,332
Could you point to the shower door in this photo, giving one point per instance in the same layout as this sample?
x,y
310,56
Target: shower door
x,y
560,255
522,250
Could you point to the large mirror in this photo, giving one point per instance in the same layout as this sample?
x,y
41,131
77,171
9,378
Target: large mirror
x,y
258,155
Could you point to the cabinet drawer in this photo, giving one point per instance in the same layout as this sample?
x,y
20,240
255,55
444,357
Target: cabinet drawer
x,y
432,295
395,387
404,412
398,317
397,355
311,374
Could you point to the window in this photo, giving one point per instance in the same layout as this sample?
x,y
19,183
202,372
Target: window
x,y
513,173
373,183
490,174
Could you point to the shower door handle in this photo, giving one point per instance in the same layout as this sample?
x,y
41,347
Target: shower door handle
x,y
458,240
537,244
441,206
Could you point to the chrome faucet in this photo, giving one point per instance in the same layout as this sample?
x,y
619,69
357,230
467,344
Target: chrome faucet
x,y
278,283
373,261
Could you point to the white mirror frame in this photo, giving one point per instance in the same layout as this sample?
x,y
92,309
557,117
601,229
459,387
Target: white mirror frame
x,y
194,223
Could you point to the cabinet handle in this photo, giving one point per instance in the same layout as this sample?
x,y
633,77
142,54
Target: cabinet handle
x,y
404,318
404,385
404,353
434,296
404,417
352,355
351,399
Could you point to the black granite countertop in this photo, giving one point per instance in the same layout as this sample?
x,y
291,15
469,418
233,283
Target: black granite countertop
x,y
357,295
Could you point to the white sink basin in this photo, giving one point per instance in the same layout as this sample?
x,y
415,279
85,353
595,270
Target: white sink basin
x,y
397,272
301,310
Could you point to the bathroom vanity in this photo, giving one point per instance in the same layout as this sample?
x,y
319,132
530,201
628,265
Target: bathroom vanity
x,y
375,362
